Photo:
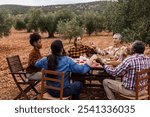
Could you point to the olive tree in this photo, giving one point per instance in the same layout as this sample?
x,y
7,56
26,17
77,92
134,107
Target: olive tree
x,y
69,29
48,23
130,19
5,24
33,17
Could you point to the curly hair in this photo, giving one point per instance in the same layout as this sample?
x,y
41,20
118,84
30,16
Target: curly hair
x,y
34,38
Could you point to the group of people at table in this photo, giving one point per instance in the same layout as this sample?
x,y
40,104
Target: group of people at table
x,y
123,61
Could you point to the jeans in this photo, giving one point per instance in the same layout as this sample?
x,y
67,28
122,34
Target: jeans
x,y
73,90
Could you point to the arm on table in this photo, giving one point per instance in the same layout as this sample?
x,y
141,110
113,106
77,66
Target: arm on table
x,y
113,63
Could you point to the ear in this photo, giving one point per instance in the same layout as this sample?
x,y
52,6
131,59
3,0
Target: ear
x,y
35,43
132,51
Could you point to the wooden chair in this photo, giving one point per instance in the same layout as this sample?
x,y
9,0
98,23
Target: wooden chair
x,y
45,95
139,79
20,78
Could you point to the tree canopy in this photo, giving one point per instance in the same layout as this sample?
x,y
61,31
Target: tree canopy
x,y
5,24
131,18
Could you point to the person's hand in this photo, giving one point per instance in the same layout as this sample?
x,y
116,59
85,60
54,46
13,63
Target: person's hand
x,y
94,57
90,61
99,60
101,52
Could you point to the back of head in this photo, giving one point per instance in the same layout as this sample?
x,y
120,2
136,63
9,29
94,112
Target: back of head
x,y
117,36
138,47
34,38
57,47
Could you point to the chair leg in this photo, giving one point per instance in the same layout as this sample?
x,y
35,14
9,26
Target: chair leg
x,y
22,93
33,87
27,89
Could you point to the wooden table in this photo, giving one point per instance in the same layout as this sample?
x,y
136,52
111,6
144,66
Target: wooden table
x,y
95,74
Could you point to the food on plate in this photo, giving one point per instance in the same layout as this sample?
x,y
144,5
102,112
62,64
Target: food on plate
x,y
81,61
95,65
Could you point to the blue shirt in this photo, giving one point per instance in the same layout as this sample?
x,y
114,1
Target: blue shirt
x,y
66,65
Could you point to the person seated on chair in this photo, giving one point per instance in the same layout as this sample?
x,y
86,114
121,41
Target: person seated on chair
x,y
61,63
117,52
136,62
34,73
78,49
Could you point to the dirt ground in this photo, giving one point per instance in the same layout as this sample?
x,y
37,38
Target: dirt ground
x,y
18,44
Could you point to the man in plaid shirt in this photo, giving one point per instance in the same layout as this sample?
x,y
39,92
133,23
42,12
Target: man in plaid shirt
x,y
138,61
79,50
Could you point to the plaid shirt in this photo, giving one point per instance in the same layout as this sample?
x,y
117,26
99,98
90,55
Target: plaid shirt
x,y
77,52
128,69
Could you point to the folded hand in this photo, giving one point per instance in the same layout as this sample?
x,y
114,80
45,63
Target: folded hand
x,y
99,60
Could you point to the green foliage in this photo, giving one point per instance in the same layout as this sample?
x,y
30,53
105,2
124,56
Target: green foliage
x,y
131,18
20,24
5,24
26,21
93,22
39,18
48,23
33,17
69,29
108,15
64,15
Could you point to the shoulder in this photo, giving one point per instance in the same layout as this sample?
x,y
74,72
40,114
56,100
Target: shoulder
x,y
146,56
65,59
86,46
71,48
34,52
44,59
109,48
129,59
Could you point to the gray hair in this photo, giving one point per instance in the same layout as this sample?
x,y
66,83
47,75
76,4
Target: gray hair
x,y
118,36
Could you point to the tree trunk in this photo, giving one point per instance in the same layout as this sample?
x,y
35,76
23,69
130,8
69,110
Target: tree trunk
x,y
69,40
50,35
36,30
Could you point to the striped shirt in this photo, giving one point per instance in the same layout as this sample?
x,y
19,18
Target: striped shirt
x,y
128,69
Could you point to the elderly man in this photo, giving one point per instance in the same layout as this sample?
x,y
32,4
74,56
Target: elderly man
x,y
127,69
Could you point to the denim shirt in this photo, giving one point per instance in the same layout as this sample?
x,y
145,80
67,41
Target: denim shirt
x,y
66,65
